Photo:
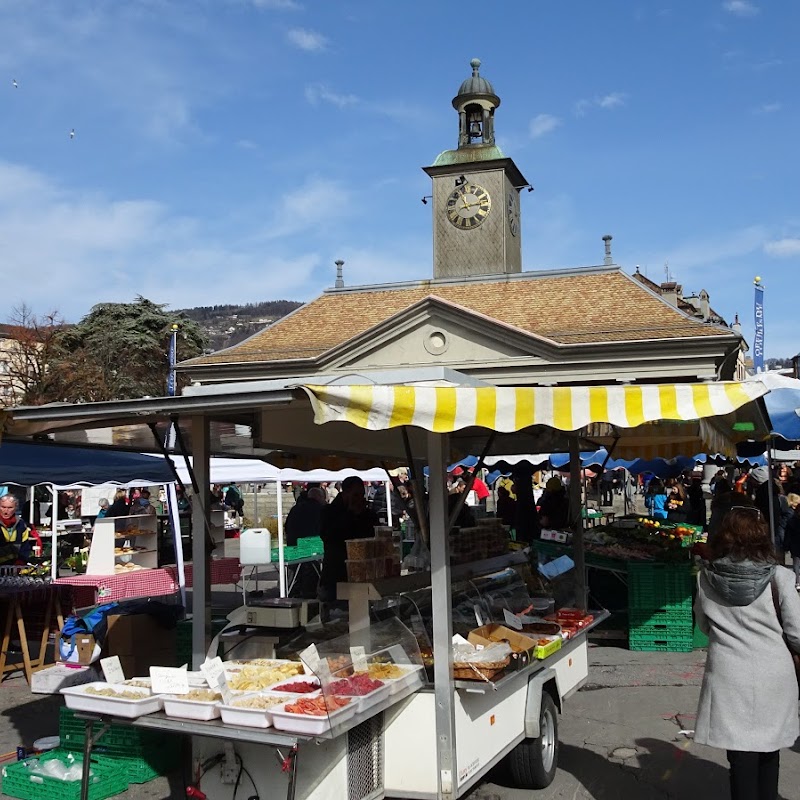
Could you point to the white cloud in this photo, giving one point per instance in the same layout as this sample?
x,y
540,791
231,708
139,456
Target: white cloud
x,y
740,8
319,93
613,100
307,40
85,248
543,124
783,248
606,102
768,108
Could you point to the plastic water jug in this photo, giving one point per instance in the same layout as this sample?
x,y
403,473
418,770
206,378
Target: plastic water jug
x,y
255,545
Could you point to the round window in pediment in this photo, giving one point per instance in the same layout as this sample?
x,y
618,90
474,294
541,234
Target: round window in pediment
x,y
436,342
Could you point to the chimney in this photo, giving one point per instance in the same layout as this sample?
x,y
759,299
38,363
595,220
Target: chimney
x,y
705,309
339,276
608,260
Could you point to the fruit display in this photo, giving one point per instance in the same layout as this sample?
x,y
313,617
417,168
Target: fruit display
x,y
297,687
355,686
316,706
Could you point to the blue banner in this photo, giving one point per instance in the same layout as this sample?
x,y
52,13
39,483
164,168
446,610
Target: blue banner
x,y
758,340
172,355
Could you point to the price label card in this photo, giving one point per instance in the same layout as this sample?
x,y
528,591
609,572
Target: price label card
x,y
225,690
512,620
359,657
310,659
211,670
112,669
169,680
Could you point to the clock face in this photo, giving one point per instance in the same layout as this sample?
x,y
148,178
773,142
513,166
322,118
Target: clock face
x,y
468,206
513,213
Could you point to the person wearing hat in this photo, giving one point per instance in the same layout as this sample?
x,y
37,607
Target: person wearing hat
x,y
554,505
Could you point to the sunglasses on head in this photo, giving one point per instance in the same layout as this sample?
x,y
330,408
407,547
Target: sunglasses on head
x,y
755,510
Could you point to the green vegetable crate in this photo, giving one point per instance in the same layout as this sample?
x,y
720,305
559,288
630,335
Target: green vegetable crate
x,y
107,780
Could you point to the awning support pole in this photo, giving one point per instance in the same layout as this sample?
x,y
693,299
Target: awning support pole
x,y
771,492
201,575
577,522
441,601
281,559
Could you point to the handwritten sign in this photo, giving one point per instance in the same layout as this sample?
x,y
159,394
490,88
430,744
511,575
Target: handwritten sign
x,y
112,669
225,690
512,620
359,657
211,670
169,680
310,659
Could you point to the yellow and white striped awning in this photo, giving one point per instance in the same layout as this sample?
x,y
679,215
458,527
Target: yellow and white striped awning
x,y
507,409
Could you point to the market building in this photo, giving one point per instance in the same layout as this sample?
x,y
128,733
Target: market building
x,y
481,314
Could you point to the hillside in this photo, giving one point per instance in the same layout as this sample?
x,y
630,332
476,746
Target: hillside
x,y
226,325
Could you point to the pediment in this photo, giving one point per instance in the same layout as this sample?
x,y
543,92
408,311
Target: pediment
x,y
434,331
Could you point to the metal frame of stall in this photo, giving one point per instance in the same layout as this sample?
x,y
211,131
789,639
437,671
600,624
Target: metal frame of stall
x,y
199,409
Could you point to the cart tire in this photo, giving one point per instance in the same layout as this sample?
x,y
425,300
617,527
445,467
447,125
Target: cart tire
x,y
533,762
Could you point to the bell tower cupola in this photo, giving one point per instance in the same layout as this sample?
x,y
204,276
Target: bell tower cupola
x,y
476,213
475,104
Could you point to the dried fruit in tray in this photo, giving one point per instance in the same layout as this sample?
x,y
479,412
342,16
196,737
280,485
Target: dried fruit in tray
x,y
355,686
297,687
384,671
201,695
120,694
253,678
261,701
316,706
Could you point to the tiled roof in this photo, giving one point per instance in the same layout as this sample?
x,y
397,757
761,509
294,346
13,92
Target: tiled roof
x,y
606,306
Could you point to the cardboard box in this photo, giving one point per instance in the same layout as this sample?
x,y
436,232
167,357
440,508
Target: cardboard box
x,y
522,646
52,680
86,644
140,642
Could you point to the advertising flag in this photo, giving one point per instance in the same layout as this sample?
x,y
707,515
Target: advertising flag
x,y
758,316
172,355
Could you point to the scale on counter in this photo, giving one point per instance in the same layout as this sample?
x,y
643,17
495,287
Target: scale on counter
x,y
274,612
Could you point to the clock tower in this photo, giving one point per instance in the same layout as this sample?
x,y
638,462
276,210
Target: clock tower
x,y
476,214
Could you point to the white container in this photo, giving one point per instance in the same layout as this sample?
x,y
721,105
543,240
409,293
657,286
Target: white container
x,y
77,699
255,546
366,701
248,717
306,723
177,706
412,676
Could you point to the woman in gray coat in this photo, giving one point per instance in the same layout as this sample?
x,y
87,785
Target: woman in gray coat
x,y
748,702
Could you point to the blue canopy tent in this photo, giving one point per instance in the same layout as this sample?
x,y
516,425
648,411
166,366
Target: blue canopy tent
x,y
27,464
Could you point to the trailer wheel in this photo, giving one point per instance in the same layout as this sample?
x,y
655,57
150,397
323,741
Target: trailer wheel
x,y
533,762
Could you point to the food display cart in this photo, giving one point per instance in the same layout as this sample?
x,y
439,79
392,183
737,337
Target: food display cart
x,y
468,729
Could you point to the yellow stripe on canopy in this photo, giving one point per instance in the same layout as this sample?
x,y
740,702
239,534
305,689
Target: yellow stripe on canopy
x,y
507,409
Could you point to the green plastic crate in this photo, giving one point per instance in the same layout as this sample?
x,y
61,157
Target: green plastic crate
x,y
660,618
660,639
699,639
107,780
660,586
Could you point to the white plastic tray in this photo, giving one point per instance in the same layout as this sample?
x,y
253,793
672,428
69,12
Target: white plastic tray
x,y
177,706
366,701
412,676
305,723
77,699
247,717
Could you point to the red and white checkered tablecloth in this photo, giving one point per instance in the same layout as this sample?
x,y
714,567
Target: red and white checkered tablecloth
x,y
88,590
223,570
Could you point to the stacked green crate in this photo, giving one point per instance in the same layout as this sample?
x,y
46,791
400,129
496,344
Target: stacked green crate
x,y
139,755
18,781
307,547
660,607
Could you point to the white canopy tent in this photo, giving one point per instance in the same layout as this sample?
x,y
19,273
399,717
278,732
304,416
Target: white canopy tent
x,y
254,470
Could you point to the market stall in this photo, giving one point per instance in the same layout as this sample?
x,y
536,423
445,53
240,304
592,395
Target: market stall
x,y
387,422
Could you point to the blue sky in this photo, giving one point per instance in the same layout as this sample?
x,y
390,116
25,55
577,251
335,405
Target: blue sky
x,y
231,150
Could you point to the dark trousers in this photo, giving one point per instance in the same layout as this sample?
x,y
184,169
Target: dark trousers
x,y
754,776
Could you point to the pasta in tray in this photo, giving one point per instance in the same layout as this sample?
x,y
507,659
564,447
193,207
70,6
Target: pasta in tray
x,y
253,678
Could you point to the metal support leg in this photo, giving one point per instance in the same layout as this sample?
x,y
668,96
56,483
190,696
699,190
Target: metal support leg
x,y
441,596
88,743
289,764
